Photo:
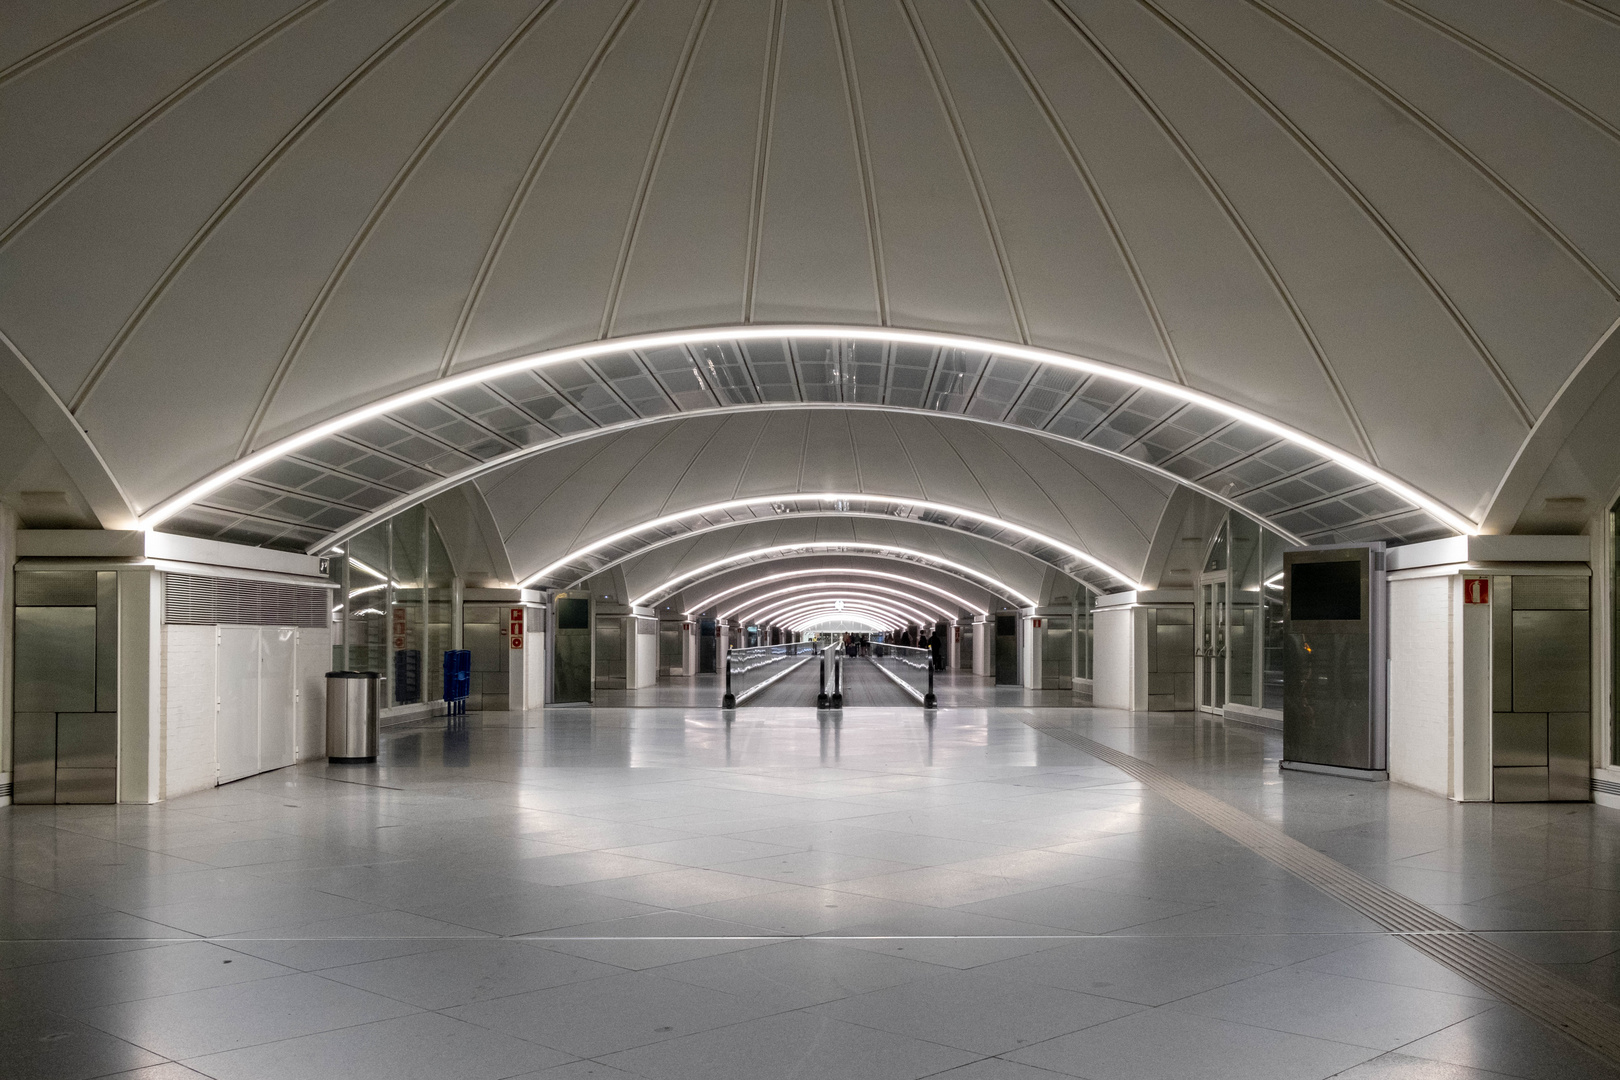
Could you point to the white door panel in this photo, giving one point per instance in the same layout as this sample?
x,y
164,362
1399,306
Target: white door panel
x,y
236,719
278,687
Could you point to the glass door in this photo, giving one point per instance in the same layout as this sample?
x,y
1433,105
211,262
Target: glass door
x,y
1210,650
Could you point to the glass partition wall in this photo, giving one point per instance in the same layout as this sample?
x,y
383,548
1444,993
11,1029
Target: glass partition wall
x,y
1238,604
396,610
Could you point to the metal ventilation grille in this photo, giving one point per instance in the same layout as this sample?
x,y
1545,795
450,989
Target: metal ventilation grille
x,y
207,601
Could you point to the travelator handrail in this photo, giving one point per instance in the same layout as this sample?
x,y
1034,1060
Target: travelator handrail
x,y
910,667
751,669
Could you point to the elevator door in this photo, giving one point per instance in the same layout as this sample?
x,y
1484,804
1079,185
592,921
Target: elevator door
x,y
1007,673
571,673
1210,651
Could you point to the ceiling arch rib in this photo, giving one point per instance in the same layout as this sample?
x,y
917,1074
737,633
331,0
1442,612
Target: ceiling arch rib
x,y
806,608
829,547
311,488
823,565
830,574
593,558
838,622
836,590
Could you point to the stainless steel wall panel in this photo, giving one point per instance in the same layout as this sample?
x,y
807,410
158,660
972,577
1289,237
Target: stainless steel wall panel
x,y
1569,757
86,741
1175,641
1518,739
56,588
55,653
1551,660
106,641
86,785
33,757
1520,785
1502,644
1560,593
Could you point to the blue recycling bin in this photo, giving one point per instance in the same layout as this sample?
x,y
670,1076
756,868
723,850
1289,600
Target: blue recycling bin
x,y
457,680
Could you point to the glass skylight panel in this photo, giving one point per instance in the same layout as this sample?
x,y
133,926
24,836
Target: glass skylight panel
x,y
722,365
1046,394
819,364
999,387
910,367
956,376
633,384
772,367
676,371
288,473
1130,421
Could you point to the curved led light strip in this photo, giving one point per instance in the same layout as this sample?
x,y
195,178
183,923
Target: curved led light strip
x,y
853,587
664,588
658,524
775,612
257,460
916,583
782,614
793,615
779,611
840,616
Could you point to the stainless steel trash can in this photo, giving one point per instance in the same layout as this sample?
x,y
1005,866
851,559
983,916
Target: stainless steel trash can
x,y
351,717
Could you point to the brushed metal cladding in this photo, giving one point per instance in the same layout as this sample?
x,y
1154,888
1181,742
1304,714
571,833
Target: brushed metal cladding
x,y
55,651
1518,740
94,786
1325,704
1551,661
56,588
1569,757
86,741
1502,644
106,641
1520,784
1334,669
33,757
1551,593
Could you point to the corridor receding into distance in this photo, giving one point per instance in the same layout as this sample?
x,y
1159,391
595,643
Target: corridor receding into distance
x,y
809,539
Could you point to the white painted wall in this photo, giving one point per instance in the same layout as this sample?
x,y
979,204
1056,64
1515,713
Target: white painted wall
x,y
187,676
314,661
1421,708
188,691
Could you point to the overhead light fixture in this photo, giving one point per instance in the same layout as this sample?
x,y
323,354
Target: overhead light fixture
x,y
712,335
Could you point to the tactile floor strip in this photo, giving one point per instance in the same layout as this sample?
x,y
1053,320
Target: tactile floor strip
x,y
1587,1019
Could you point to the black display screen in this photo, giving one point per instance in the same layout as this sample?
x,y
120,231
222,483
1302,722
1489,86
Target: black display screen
x,y
1325,591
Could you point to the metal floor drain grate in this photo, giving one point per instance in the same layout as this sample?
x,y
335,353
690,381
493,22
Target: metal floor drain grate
x,y
1587,1019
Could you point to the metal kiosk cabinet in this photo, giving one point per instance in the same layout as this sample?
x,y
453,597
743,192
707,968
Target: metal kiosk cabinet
x,y
1334,671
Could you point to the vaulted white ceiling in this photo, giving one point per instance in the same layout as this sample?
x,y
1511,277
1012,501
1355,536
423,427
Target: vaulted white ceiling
x,y
1393,226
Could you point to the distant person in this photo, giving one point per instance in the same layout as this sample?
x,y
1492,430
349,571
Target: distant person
x,y
936,645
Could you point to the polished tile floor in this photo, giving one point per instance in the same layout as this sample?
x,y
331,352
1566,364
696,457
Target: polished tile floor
x,y
656,893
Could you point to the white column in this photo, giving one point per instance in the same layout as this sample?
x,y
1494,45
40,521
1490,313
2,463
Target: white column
x,y
984,643
140,709
1119,677
1031,635
519,647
